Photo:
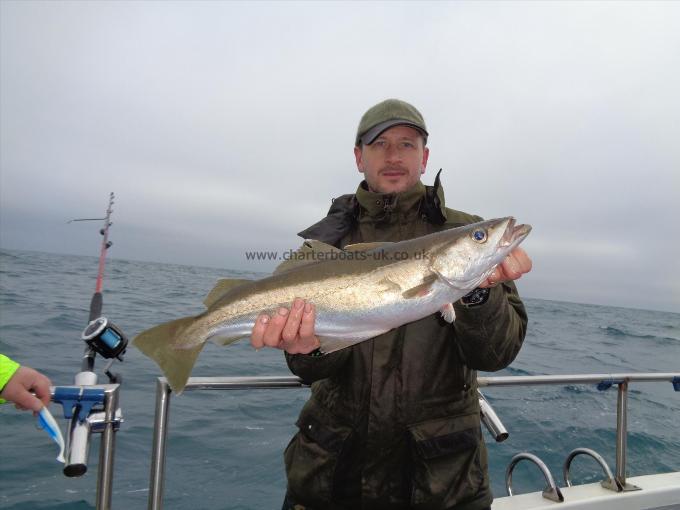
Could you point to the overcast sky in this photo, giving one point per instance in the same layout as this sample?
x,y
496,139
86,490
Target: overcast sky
x,y
224,127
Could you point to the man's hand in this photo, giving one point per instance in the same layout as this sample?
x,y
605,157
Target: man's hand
x,y
513,267
290,330
18,390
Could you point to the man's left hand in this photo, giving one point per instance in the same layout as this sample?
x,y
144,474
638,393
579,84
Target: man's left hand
x,y
513,267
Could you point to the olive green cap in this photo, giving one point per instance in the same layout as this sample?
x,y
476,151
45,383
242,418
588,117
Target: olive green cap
x,y
384,115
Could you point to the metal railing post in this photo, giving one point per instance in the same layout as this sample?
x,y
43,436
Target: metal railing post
x,y
621,432
106,451
160,433
622,437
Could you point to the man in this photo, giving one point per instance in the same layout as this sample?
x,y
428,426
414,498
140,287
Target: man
x,y
17,382
393,422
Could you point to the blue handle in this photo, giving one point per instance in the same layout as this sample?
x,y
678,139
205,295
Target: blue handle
x,y
82,400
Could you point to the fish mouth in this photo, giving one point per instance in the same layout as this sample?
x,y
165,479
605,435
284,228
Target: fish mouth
x,y
514,234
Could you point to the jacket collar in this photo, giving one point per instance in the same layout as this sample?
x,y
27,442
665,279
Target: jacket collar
x,y
345,210
380,205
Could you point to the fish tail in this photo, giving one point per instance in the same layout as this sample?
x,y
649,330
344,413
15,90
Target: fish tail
x,y
161,344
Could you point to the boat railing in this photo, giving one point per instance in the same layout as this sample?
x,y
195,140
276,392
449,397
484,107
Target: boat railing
x,y
603,382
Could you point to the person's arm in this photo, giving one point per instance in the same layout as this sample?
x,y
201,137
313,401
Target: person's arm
x,y
17,382
8,367
491,334
311,368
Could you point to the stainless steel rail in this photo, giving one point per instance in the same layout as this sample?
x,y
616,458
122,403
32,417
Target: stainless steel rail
x,y
107,450
603,381
551,492
607,483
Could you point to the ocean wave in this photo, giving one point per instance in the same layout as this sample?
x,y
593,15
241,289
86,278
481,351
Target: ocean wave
x,y
517,371
579,389
8,256
64,321
52,505
616,332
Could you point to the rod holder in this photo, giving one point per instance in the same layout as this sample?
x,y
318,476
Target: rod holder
x,y
77,448
90,409
491,420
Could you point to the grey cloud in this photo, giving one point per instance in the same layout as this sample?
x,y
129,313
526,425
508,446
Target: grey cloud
x,y
226,126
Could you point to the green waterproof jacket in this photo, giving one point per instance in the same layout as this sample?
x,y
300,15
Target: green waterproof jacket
x,y
393,422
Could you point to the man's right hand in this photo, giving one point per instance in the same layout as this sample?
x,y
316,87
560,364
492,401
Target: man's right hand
x,y
290,330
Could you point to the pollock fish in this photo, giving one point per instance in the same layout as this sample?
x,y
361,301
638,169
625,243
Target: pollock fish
x,y
359,292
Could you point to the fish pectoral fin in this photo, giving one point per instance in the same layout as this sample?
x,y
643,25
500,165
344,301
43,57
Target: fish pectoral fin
x,y
421,290
448,313
304,255
221,288
456,284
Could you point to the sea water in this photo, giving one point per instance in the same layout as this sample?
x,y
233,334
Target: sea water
x,y
225,448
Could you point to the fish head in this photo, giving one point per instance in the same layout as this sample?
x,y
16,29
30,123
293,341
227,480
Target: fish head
x,y
466,258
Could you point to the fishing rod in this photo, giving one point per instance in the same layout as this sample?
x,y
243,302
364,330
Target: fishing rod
x,y
86,404
101,336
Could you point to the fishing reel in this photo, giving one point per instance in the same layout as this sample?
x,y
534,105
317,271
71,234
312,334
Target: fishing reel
x,y
105,338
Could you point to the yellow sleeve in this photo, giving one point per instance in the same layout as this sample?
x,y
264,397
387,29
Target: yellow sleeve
x,y
7,369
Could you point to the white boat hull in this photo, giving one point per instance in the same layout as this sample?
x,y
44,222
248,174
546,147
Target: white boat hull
x,y
658,492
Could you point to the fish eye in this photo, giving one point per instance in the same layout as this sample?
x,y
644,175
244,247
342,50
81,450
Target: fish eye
x,y
479,235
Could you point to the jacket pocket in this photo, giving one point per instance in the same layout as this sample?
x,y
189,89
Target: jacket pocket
x,y
449,461
312,456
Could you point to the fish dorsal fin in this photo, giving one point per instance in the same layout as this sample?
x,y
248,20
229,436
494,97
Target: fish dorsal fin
x,y
366,246
221,288
305,255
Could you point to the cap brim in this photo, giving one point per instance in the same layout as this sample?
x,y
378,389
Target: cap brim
x,y
369,136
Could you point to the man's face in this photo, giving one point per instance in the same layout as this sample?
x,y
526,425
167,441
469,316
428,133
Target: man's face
x,y
395,161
